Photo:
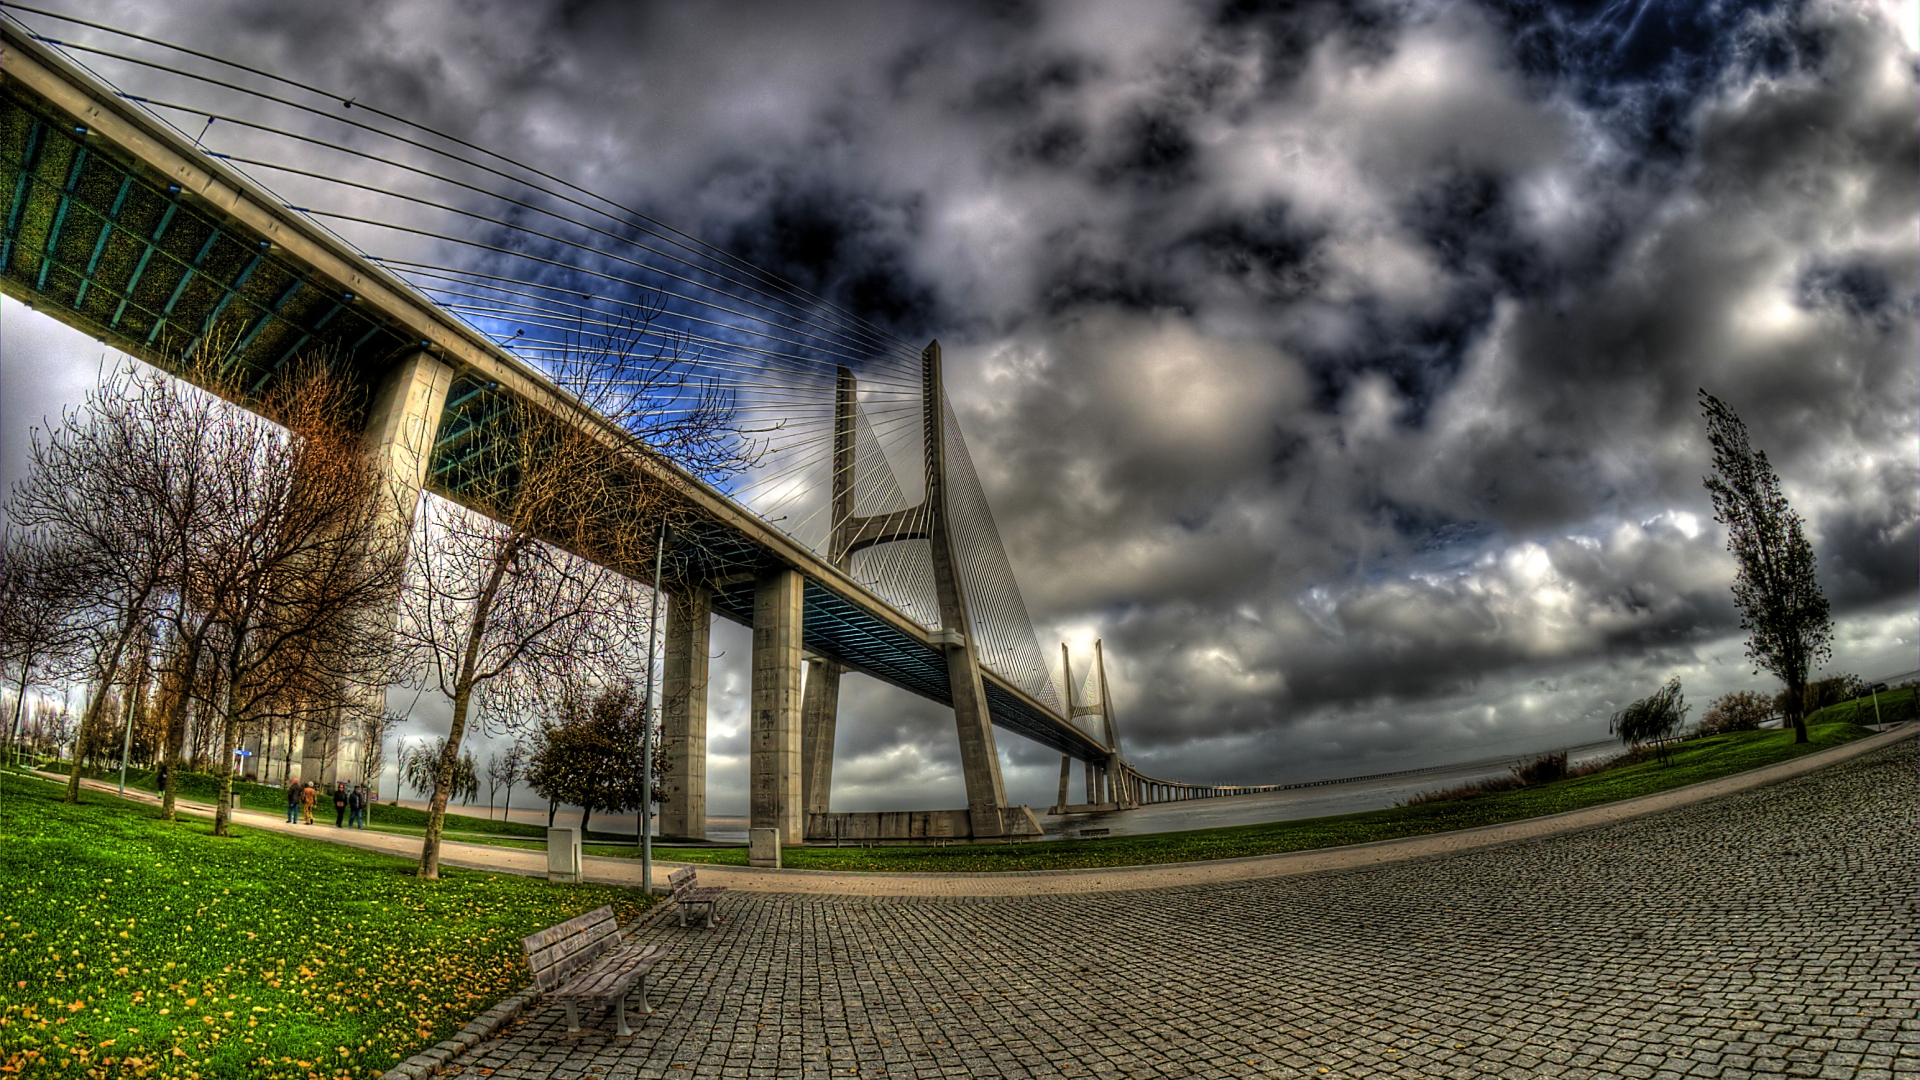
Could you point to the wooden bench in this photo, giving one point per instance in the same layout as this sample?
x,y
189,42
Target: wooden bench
x,y
688,892
582,960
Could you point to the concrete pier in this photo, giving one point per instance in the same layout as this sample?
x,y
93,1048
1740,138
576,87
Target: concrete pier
x,y
402,419
774,792
819,712
683,718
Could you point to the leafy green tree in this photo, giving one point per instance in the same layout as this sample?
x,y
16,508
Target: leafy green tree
x,y
1652,719
1776,589
590,756
419,763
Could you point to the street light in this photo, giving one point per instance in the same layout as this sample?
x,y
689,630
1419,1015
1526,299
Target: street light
x,y
645,839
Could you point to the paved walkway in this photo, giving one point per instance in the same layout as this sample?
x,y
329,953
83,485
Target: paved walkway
x,y
1766,932
1063,882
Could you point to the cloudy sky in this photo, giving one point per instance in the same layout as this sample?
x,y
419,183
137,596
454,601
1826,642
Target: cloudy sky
x,y
1334,363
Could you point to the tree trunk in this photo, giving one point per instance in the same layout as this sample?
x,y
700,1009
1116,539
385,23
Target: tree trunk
x,y
552,808
229,741
443,787
92,716
586,814
1797,709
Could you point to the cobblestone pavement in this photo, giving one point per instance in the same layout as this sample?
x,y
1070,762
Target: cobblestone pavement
x,y
1767,933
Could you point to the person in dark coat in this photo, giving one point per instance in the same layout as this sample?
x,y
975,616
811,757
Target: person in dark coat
x,y
293,801
357,807
339,803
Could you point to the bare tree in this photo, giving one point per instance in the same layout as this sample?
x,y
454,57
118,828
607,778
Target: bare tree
x,y
91,489
304,547
1776,589
36,638
493,612
216,447
49,727
508,768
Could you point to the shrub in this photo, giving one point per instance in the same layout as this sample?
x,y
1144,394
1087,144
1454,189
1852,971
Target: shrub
x,y
1742,710
1544,769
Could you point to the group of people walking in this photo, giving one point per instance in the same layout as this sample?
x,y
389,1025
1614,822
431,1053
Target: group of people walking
x,y
349,805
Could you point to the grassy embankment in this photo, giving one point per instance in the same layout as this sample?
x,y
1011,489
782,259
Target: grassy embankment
x,y
1691,762
132,947
1893,707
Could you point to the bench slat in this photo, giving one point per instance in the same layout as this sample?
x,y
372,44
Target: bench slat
x,y
582,942
574,960
562,931
614,979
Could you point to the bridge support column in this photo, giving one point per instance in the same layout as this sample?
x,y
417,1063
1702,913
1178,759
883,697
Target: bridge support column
x,y
775,800
402,419
819,712
683,716
1066,773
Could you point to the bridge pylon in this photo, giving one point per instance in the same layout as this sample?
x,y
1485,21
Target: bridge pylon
x,y
1110,782
988,814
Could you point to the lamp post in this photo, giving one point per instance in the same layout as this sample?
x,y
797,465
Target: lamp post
x,y
126,743
645,839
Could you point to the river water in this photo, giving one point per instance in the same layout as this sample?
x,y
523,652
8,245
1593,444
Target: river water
x,y
1344,797
1340,797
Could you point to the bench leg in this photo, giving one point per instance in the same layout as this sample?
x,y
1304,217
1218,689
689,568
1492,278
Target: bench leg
x,y
682,909
620,1015
573,1018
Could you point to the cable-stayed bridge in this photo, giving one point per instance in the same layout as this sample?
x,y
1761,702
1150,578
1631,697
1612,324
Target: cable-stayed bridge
x,y
155,193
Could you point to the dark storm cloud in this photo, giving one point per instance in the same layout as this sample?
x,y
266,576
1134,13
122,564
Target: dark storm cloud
x,y
1335,363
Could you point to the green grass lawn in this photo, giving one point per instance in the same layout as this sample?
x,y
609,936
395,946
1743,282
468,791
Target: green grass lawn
x,y
1691,762
134,947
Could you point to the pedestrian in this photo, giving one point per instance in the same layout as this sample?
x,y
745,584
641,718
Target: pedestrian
x,y
308,796
339,803
293,801
357,807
